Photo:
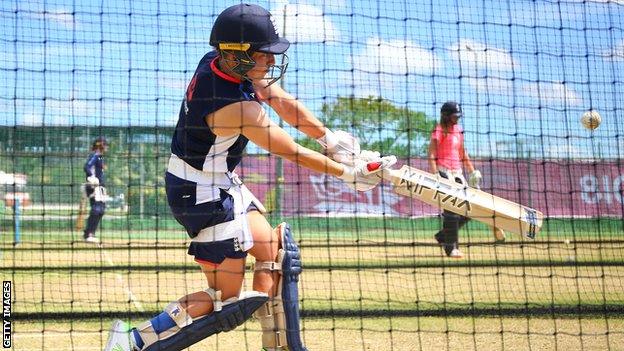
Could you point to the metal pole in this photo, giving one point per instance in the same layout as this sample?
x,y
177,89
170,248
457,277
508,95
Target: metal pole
x,y
478,84
279,167
16,219
476,77
141,181
529,177
476,73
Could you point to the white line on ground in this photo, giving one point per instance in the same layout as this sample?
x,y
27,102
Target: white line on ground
x,y
122,282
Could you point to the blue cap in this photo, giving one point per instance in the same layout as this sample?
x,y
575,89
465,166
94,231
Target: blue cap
x,y
248,24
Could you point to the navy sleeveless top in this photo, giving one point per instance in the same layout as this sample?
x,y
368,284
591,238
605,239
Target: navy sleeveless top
x,y
95,166
193,141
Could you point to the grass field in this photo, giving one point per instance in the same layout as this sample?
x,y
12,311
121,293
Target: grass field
x,y
391,333
368,284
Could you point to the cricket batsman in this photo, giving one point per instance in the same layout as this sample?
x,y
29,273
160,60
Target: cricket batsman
x,y
222,111
94,188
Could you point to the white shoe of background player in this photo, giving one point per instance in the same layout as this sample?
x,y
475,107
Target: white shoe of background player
x,y
456,254
92,239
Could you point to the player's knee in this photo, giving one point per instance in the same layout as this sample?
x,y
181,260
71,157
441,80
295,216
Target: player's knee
x,y
227,294
286,259
268,263
264,281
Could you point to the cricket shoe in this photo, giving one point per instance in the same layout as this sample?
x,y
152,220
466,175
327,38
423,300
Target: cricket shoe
x,y
119,338
451,250
455,253
91,239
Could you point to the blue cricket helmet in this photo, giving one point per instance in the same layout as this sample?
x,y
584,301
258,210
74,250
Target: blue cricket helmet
x,y
243,24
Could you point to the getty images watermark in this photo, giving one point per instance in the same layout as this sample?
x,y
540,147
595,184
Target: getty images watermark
x,y
7,288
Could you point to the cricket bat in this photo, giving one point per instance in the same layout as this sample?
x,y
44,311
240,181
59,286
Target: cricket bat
x,y
466,201
79,224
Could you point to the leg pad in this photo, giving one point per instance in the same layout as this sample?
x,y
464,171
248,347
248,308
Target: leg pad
x,y
231,316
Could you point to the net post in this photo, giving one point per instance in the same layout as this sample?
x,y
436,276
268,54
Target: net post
x,y
16,220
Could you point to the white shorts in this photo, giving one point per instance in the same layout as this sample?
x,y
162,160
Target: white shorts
x,y
211,206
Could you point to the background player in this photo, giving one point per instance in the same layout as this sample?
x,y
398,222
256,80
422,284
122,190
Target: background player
x,y
446,157
220,113
94,188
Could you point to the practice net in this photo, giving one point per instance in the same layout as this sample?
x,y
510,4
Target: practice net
x,y
373,276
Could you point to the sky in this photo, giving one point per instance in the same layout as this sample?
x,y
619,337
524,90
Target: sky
x,y
524,71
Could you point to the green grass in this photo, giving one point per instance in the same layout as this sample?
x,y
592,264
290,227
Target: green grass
x,y
360,278
356,334
368,284
330,229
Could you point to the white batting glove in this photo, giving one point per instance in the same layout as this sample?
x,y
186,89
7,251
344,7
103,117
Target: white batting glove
x,y
365,175
341,146
367,155
474,179
93,180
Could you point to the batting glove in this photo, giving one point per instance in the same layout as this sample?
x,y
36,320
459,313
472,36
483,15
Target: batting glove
x,y
341,146
474,179
367,155
365,175
93,180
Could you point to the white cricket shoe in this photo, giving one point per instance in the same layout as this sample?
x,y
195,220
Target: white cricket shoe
x,y
119,337
92,239
456,254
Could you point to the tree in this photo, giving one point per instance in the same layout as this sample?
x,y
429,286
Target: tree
x,y
379,125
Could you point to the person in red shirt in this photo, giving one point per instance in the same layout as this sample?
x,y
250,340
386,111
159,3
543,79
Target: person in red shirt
x,y
446,157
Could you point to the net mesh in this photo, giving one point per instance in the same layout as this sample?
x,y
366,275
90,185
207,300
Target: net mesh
x,y
374,277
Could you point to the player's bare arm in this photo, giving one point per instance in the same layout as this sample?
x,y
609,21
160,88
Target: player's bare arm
x,y
433,151
466,159
291,110
250,119
339,146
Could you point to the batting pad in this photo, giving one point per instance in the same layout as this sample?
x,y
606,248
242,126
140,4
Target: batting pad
x,y
291,268
231,316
